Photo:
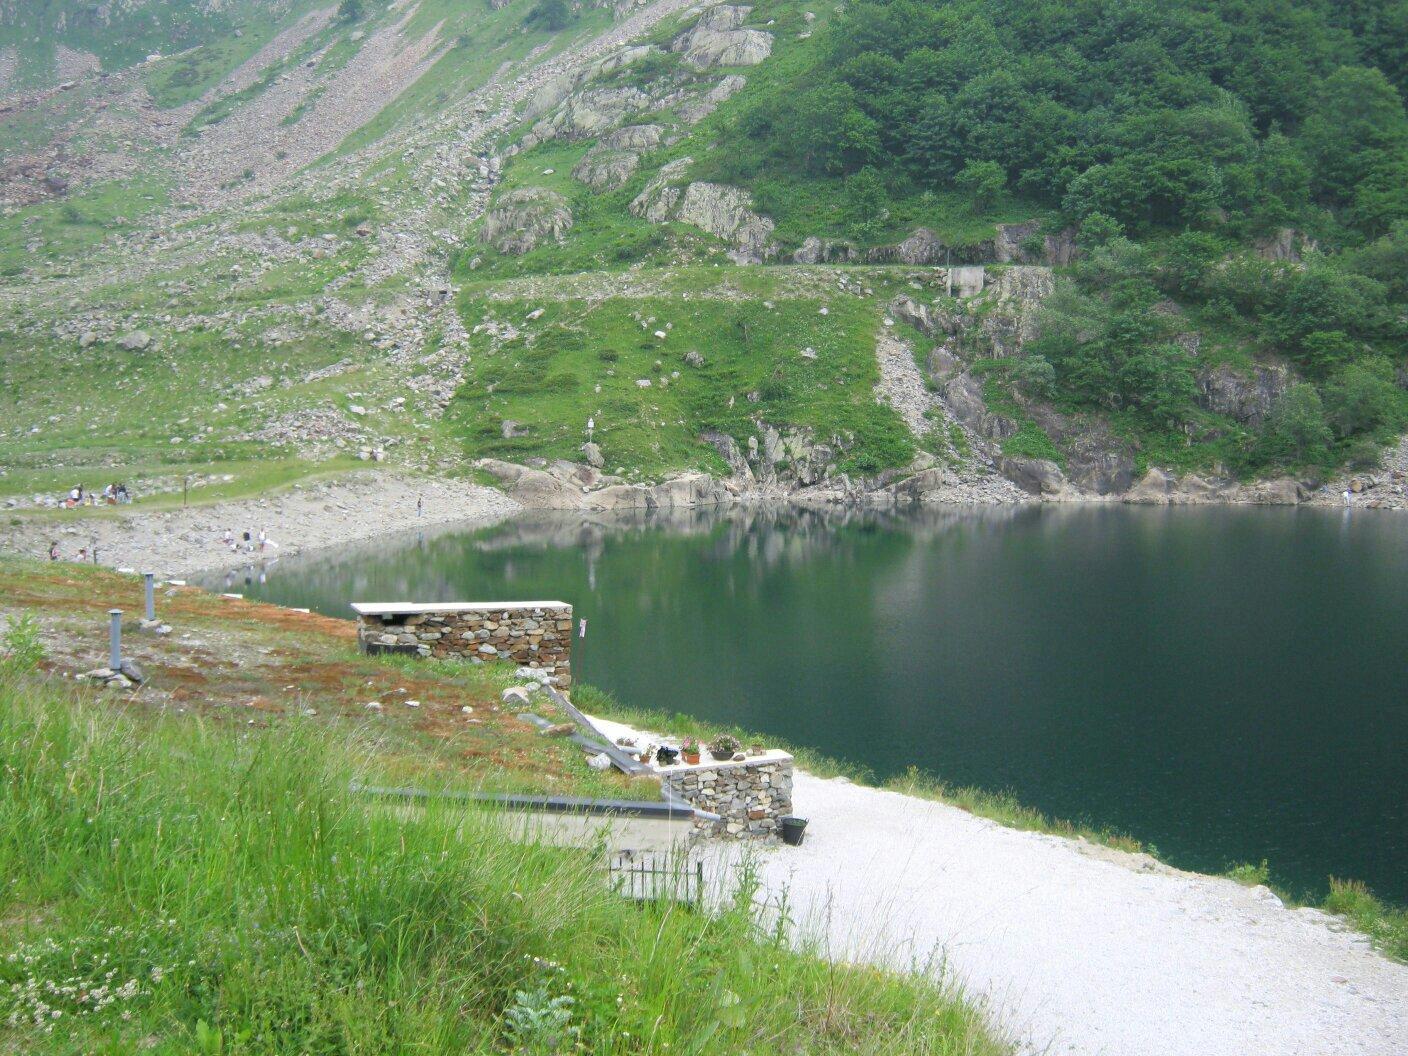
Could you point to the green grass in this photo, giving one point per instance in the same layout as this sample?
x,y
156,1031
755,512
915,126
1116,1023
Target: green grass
x,y
546,378
65,230
1031,442
174,887
249,478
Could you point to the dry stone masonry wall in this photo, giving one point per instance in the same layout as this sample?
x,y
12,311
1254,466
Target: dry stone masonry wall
x,y
751,796
531,634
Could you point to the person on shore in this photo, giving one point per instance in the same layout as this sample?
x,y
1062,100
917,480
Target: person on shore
x,y
82,554
75,496
248,540
420,506
263,539
1348,498
123,497
228,539
53,551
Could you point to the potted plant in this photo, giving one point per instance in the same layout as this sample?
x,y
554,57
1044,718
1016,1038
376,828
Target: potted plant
x,y
690,750
724,747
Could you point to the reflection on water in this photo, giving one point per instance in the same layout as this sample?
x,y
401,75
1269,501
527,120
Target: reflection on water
x,y
1228,684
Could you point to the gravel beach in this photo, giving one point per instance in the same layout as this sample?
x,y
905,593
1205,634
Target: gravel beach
x,y
304,517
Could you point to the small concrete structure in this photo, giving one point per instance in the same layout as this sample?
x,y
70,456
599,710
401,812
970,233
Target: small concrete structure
x,y
532,634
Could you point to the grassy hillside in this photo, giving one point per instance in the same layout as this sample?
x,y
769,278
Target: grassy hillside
x,y
193,875
1215,223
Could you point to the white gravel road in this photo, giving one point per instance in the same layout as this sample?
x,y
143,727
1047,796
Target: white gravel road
x,y
1075,947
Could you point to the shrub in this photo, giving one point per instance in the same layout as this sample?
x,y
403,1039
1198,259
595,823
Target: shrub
x,y
20,648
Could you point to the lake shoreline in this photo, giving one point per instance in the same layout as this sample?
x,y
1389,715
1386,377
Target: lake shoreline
x,y
369,506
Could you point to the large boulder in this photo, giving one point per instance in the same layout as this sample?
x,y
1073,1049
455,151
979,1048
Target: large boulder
x,y
634,137
1014,245
721,210
1155,487
657,201
727,213
1035,476
604,169
533,488
590,113
136,341
815,250
524,218
701,106
717,39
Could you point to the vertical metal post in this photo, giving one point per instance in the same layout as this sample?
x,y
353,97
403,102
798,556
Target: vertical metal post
x,y
115,640
150,577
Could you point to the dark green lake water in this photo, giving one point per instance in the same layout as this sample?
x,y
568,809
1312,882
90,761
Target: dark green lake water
x,y
1226,684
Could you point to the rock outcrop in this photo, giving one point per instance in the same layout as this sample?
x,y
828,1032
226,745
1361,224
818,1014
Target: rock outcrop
x,y
1246,397
723,211
603,169
1014,245
524,218
567,486
718,39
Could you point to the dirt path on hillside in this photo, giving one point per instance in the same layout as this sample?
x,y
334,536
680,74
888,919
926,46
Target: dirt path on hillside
x,y
305,517
1077,948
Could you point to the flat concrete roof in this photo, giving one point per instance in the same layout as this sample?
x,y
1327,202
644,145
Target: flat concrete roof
x,y
409,608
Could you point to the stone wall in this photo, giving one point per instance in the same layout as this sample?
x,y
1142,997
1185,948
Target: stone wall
x,y
750,795
532,634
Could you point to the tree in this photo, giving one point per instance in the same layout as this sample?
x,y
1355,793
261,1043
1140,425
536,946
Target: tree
x,y
982,181
1358,116
1359,399
1296,433
866,203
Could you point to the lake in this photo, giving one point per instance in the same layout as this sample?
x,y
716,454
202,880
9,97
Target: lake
x,y
1225,684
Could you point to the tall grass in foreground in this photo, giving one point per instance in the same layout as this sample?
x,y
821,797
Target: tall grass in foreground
x,y
174,886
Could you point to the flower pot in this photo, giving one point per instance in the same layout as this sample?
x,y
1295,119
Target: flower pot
x,y
793,828
692,758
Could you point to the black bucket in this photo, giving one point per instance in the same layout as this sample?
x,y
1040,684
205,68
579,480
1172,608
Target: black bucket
x,y
793,829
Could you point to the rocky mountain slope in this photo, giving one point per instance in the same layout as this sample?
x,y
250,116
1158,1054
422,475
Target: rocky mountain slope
x,y
432,233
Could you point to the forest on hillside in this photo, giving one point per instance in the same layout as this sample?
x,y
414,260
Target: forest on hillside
x,y
1177,138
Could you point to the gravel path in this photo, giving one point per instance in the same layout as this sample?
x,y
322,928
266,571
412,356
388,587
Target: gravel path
x,y
179,542
1077,948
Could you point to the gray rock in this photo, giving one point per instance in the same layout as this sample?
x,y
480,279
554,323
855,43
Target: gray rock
x,y
136,341
727,213
604,169
634,137
1035,476
1248,398
717,39
523,218
592,453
